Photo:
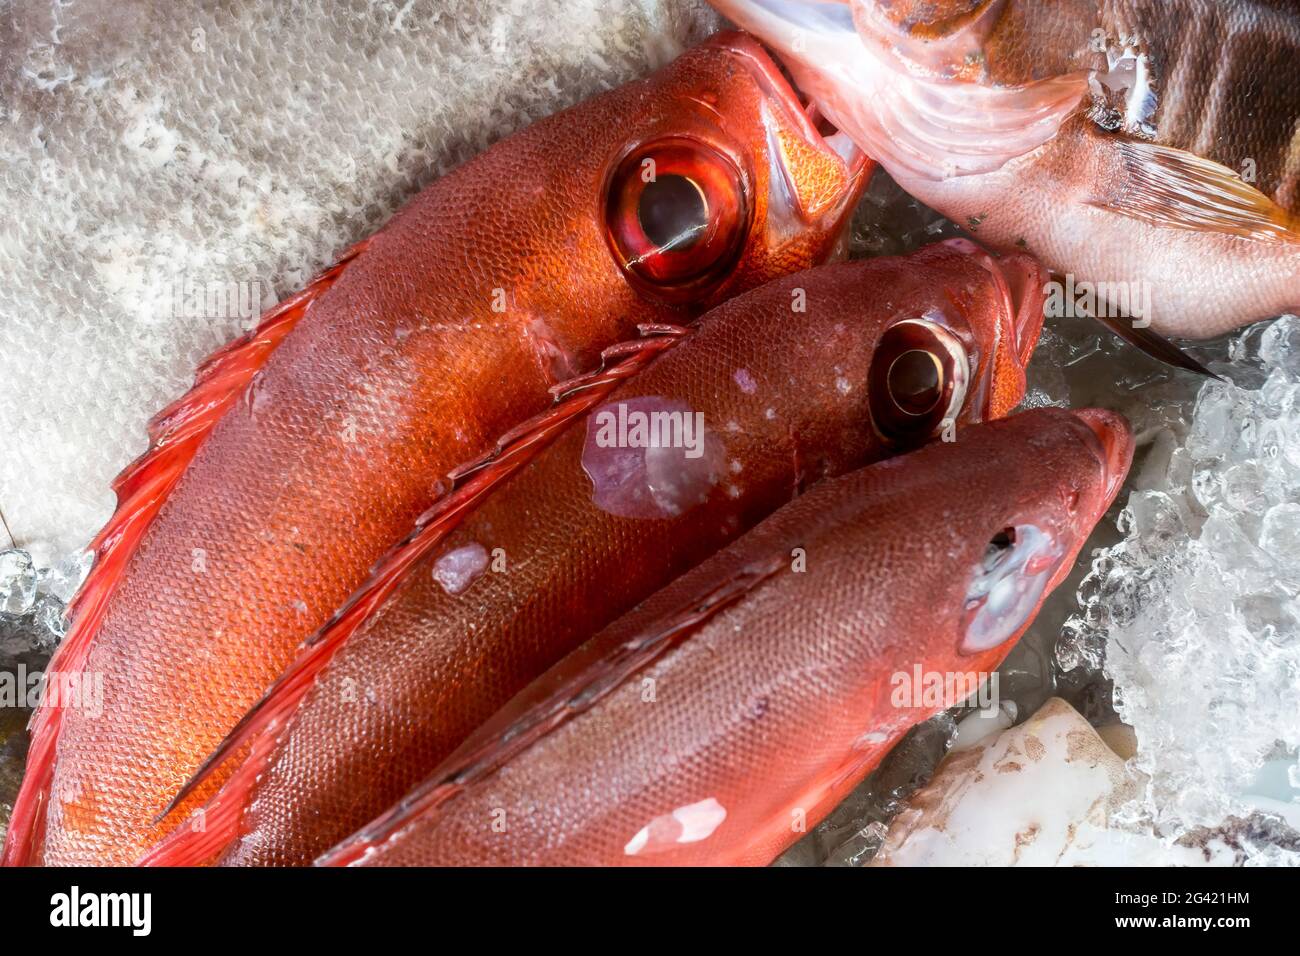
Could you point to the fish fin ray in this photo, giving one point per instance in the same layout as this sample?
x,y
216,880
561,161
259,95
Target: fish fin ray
x,y
175,434
499,740
1145,339
471,483
1172,187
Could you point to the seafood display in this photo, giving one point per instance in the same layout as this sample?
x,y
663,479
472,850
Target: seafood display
x,y
1117,141
771,401
327,430
755,462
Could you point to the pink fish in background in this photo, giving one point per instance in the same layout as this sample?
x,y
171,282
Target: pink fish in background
x,y
1145,149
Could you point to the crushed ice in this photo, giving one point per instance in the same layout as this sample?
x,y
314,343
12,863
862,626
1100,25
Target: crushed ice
x,y
1195,613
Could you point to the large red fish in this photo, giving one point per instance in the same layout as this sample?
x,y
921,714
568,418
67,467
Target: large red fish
x,y
808,376
305,450
719,720
1148,149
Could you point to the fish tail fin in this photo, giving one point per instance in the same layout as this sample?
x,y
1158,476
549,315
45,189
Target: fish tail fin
x,y
471,483
175,435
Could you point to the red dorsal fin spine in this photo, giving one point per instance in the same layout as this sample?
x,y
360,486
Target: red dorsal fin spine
x,y
190,845
175,434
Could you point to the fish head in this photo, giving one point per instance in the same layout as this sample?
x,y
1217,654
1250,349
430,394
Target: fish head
x,y
1041,481
722,180
955,339
933,89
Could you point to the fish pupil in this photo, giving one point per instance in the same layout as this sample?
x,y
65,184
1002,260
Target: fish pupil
x,y
672,212
915,381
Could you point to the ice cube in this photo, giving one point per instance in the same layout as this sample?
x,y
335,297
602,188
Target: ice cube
x,y
17,582
62,580
1279,536
51,621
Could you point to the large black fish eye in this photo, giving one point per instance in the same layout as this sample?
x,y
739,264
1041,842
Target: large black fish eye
x,y
677,216
917,381
672,212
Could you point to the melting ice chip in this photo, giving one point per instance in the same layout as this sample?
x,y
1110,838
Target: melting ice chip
x,y
1007,585
457,569
17,582
689,824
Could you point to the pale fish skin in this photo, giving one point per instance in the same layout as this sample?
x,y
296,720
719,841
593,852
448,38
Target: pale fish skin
x,y
1120,142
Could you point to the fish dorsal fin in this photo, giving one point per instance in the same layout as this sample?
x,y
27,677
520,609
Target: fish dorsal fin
x,y
551,703
472,482
1174,188
175,435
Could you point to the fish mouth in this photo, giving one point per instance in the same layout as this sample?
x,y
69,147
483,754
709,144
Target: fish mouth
x,y
1021,281
1109,437
778,84
1111,440
1026,290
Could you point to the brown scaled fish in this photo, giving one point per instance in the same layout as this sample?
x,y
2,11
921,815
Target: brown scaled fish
x,y
1147,149
809,376
305,450
732,711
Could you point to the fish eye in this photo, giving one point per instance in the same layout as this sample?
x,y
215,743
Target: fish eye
x,y
917,380
676,215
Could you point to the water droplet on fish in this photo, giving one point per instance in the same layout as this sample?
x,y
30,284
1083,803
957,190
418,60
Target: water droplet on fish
x,y
457,569
557,362
255,398
689,824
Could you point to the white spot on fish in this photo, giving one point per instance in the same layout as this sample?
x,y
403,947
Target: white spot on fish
x,y
689,824
650,457
843,386
1006,587
457,569
556,361
745,381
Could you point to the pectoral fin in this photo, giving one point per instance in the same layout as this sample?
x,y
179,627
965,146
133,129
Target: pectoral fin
x,y
1174,188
